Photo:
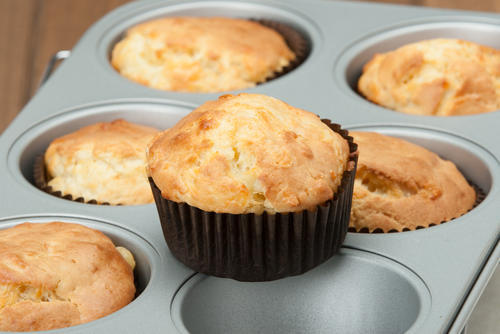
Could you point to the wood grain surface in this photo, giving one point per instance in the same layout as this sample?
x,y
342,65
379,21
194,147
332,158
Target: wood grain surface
x,y
31,31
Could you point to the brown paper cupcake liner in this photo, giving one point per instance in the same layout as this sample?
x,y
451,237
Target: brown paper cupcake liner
x,y
299,45
480,196
252,247
41,180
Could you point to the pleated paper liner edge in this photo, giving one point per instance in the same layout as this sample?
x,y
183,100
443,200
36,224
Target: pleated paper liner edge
x,y
295,40
250,247
41,182
480,196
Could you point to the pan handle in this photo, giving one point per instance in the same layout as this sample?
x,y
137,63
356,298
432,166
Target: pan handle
x,y
56,58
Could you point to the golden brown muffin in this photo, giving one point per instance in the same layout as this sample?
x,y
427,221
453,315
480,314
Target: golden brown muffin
x,y
402,185
58,275
200,54
104,161
248,154
441,77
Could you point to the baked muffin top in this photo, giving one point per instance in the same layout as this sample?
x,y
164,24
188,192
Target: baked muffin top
x,y
200,54
248,154
103,161
55,275
441,77
402,185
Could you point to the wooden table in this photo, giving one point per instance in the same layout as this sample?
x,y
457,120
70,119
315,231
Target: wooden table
x,y
31,31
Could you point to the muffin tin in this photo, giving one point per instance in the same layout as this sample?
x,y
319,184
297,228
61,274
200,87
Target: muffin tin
x,y
424,281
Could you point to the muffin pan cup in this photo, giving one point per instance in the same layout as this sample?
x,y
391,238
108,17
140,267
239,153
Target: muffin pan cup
x,y
259,247
319,301
440,270
146,275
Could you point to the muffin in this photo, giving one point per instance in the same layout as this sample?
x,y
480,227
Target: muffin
x,y
251,188
439,77
401,186
105,162
200,54
57,275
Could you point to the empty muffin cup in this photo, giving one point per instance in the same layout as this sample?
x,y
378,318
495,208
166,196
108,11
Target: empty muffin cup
x,y
259,247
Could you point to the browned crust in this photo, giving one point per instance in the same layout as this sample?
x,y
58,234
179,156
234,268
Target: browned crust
x,y
248,153
77,268
401,186
200,54
440,77
103,163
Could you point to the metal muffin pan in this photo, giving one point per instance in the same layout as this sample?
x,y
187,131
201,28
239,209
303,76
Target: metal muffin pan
x,y
424,281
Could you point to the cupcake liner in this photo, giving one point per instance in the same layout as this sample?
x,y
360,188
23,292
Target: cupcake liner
x,y
480,196
300,46
252,247
41,180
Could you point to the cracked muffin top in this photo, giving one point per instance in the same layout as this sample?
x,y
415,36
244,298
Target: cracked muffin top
x,y
55,275
439,77
104,161
402,185
248,153
200,54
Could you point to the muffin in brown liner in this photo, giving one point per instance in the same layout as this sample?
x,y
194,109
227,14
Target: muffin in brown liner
x,y
299,44
480,196
253,247
42,182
